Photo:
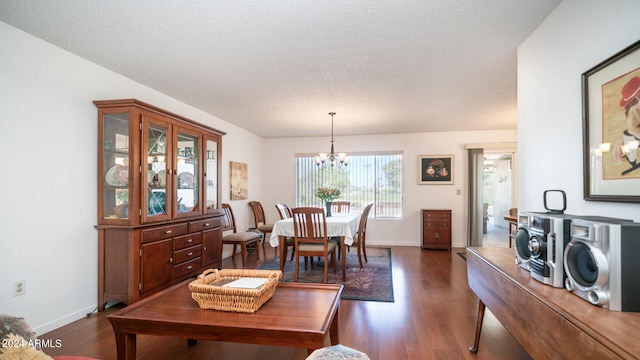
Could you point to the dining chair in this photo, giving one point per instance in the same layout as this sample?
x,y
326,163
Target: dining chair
x,y
310,232
285,213
340,206
359,241
259,220
237,238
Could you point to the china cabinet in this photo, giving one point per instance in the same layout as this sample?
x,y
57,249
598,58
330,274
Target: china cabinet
x,y
436,229
158,199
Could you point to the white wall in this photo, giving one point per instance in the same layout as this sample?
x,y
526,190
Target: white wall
x,y
578,35
279,180
48,187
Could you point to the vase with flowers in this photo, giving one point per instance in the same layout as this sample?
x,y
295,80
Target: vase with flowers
x,y
327,195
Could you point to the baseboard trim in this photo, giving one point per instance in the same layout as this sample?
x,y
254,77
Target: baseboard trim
x,y
50,326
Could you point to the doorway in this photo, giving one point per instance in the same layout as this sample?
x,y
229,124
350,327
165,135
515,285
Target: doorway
x,y
498,198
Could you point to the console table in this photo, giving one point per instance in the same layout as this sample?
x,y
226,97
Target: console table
x,y
548,322
513,228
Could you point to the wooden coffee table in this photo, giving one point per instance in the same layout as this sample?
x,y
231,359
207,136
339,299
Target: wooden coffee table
x,y
298,315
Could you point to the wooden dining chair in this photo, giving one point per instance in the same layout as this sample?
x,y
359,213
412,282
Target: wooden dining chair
x,y
285,213
359,241
237,238
340,206
310,230
259,220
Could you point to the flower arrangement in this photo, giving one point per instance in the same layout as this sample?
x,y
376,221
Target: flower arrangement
x,y
327,194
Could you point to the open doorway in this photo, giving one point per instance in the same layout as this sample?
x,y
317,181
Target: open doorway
x,y
498,198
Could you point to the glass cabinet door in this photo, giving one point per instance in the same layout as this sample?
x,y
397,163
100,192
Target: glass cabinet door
x,y
156,204
211,175
115,166
188,174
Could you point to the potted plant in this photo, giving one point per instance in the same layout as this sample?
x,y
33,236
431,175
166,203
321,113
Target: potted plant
x,y
327,195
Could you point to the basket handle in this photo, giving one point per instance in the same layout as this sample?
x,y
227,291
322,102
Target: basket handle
x,y
276,274
207,272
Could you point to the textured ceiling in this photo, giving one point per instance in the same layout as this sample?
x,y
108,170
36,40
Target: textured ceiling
x,y
277,68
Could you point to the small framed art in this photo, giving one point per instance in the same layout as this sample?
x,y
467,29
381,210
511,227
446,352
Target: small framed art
x,y
435,169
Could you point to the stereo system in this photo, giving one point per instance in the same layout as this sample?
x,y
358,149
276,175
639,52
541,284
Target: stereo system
x,y
596,258
540,243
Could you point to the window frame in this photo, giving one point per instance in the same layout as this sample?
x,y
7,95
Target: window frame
x,y
389,201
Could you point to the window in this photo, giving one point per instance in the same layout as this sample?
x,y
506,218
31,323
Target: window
x,y
369,178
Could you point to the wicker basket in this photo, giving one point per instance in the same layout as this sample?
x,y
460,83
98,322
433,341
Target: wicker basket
x,y
233,299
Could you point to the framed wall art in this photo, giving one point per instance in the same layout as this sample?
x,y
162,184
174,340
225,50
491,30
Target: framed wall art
x,y
611,128
435,169
238,181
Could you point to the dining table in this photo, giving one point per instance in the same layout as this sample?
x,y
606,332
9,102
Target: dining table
x,y
339,225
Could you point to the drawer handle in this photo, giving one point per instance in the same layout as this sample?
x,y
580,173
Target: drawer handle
x,y
189,267
206,224
170,260
190,240
168,232
190,254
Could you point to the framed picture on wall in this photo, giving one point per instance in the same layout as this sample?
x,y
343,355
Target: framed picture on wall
x,y
611,128
435,169
238,181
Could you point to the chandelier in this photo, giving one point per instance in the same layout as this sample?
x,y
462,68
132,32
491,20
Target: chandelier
x,y
324,160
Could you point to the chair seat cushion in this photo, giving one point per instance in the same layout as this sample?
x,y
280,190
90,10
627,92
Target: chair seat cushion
x,y
316,247
266,228
241,236
337,352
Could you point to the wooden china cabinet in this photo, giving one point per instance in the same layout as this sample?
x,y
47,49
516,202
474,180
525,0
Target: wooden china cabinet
x,y
158,199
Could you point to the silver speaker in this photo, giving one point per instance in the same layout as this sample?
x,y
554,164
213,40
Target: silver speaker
x,y
523,254
602,263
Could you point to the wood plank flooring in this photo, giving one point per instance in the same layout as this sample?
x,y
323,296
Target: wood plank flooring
x,y
433,317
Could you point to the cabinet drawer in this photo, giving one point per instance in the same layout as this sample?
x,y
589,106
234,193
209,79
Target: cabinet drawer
x,y
164,232
186,241
186,268
438,224
204,224
187,254
437,216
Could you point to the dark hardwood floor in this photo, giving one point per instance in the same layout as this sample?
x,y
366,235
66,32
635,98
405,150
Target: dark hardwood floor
x,y
433,317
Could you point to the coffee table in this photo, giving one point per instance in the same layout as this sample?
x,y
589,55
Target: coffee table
x,y
298,315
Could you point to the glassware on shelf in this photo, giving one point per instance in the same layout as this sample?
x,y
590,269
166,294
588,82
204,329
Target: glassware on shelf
x,y
115,165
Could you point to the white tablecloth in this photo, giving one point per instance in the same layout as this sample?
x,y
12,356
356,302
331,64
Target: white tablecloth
x,y
339,224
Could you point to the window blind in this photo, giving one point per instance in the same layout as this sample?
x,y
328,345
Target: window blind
x,y
369,178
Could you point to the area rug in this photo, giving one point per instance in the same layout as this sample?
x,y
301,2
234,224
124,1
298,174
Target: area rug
x,y
372,283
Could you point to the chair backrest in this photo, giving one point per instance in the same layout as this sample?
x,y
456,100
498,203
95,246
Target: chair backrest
x,y
309,225
284,211
362,226
340,206
258,213
228,220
